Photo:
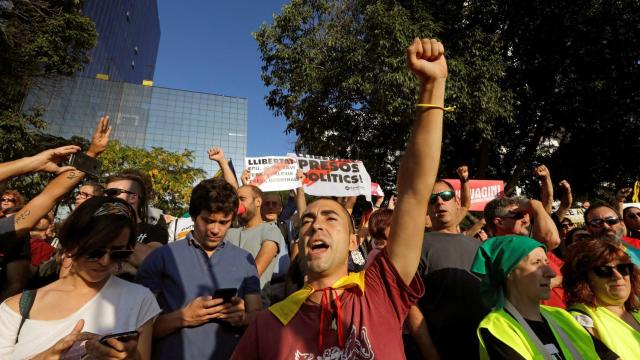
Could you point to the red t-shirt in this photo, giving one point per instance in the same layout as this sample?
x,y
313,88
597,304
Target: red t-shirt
x,y
41,250
372,323
557,293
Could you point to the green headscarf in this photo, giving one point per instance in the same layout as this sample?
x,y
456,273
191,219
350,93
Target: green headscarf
x,y
495,259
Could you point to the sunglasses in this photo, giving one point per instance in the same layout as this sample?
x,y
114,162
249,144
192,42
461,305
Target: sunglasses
x,y
606,271
82,194
444,195
113,192
567,225
600,222
515,216
114,255
11,200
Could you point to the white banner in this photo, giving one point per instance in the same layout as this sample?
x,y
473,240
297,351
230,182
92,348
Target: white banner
x,y
334,177
272,173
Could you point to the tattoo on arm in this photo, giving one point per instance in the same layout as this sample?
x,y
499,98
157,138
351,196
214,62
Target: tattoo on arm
x,y
72,175
21,217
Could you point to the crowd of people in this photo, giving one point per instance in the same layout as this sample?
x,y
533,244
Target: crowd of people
x,y
246,275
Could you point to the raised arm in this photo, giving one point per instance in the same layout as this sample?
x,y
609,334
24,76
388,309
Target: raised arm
x,y
544,229
47,160
566,200
419,165
217,154
60,186
546,187
465,192
622,194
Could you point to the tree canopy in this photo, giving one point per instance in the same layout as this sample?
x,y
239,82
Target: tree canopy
x,y
536,81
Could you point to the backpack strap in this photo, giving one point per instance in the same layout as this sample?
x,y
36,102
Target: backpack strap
x,y
26,302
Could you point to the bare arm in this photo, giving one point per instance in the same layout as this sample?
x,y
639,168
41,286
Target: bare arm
x,y
144,340
419,330
544,229
47,160
253,305
268,251
217,154
465,192
565,201
620,196
419,165
546,187
301,201
473,230
35,209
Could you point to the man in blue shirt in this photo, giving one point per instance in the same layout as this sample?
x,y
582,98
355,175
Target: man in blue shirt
x,y
185,275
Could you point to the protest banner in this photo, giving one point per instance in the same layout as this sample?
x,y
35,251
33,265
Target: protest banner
x,y
334,177
272,173
576,215
482,191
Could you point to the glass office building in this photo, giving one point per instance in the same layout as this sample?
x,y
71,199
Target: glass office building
x,y
128,39
146,116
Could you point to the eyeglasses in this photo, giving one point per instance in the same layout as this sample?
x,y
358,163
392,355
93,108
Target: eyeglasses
x,y
444,195
114,255
514,215
11,200
113,192
86,195
633,215
600,222
567,225
606,271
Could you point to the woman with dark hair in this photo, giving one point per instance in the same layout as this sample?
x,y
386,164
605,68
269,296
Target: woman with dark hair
x,y
94,239
601,288
516,276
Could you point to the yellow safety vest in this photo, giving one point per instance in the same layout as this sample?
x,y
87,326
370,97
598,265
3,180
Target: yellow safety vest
x,y
612,330
509,331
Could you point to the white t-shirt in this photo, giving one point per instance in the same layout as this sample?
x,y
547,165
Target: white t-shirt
x,y
119,306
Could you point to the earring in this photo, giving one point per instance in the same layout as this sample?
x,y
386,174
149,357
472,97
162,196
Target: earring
x,y
357,258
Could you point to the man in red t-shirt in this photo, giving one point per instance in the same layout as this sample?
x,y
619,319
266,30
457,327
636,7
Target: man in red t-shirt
x,y
360,315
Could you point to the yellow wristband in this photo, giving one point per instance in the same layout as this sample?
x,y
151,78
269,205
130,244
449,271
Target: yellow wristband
x,y
432,106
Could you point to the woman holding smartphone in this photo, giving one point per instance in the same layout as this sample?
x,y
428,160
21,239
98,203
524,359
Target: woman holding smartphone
x,y
68,317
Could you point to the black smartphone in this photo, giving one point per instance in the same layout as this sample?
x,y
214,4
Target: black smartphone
x,y
226,294
122,337
85,163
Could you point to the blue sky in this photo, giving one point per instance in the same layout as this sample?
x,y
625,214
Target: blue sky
x,y
207,46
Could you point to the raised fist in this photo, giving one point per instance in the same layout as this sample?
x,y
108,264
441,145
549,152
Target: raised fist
x,y
463,172
426,59
541,171
216,154
623,193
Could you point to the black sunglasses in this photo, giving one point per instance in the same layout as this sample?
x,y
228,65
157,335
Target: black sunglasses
x,y
444,195
113,192
606,271
600,222
11,200
514,215
114,255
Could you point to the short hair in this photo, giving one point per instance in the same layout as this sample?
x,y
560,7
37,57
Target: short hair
x,y
585,255
16,195
143,184
352,223
98,189
273,194
84,231
627,209
213,195
255,191
444,182
598,205
379,222
497,208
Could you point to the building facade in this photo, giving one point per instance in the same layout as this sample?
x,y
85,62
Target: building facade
x,y
146,116
128,40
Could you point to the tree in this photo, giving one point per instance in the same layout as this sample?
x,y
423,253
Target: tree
x,y
172,176
522,74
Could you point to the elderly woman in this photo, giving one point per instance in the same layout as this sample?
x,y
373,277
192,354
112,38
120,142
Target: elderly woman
x,y
602,287
73,312
516,276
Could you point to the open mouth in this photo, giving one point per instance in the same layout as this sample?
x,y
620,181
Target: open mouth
x,y
545,286
318,247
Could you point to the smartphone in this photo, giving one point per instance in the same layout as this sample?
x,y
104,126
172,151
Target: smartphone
x,y
85,163
122,337
226,294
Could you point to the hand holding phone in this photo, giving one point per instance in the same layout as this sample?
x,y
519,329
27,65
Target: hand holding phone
x,y
225,293
122,337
